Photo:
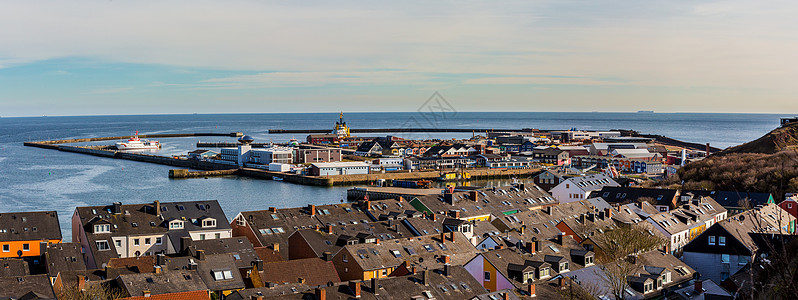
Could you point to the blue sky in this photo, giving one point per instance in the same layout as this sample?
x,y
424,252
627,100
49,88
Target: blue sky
x,y
145,57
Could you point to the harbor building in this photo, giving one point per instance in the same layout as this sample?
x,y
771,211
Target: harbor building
x,y
245,154
132,230
316,155
339,168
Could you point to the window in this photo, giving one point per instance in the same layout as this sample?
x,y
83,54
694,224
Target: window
x,y
102,245
724,276
6,248
344,258
742,260
136,242
176,225
724,258
222,275
712,240
102,228
396,253
25,247
384,272
209,223
202,237
158,241
487,276
721,241
147,241
118,243
544,272
218,236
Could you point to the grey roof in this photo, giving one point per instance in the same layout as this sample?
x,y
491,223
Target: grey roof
x,y
239,247
206,268
168,281
14,267
29,226
26,287
64,257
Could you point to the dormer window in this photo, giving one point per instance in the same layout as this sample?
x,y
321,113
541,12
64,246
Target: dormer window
x,y
102,228
208,223
176,224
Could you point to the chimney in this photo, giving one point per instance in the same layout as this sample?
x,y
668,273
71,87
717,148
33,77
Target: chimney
x,y
301,280
547,210
447,259
413,270
425,277
455,213
531,290
185,242
258,264
708,151
354,286
117,207
447,268
201,254
257,297
273,210
312,209
451,236
157,208
443,237
366,203
582,218
192,265
608,213
321,294
448,198
450,189
601,215
329,229
276,247
327,255
474,195
506,296
522,229
157,269
377,241
522,187
530,246
699,286
560,238
591,217
146,293
537,244
81,282
160,259
374,286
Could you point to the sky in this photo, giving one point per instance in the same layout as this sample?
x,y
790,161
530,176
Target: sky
x,y
164,57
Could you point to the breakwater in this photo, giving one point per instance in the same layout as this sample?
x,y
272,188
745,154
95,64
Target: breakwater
x,y
109,138
393,130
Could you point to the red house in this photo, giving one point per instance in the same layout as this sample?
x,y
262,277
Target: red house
x,y
790,205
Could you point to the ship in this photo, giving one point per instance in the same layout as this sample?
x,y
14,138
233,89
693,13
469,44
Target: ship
x,y
340,127
134,143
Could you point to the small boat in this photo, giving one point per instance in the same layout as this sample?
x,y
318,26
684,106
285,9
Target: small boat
x,y
134,143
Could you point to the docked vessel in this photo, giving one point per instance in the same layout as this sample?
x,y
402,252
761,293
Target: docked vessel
x,y
134,143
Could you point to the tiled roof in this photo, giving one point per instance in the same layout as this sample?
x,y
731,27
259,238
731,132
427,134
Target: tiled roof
x,y
194,295
64,257
314,271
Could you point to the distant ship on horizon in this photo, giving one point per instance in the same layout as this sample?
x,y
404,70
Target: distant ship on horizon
x,y
645,111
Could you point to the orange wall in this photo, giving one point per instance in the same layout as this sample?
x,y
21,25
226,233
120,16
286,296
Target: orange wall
x,y
15,246
489,285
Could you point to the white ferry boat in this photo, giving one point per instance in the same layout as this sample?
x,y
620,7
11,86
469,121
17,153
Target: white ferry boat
x,y
134,143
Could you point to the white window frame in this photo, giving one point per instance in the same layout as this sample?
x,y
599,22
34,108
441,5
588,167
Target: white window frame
x,y
6,248
158,240
102,242
711,240
721,240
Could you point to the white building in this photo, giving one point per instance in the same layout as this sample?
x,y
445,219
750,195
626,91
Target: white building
x,y
282,155
578,188
339,168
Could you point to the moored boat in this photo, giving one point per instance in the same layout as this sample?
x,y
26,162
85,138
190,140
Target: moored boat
x,y
134,143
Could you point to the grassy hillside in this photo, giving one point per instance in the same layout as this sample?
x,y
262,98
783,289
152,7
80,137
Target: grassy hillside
x,y
779,139
768,164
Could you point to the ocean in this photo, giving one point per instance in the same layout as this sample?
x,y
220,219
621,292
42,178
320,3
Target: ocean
x,y
38,179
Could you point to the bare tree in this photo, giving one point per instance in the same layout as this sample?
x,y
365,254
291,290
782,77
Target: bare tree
x,y
91,291
616,254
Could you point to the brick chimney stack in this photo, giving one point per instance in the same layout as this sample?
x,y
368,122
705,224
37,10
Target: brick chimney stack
x,y
312,209
273,210
699,286
443,237
355,287
321,294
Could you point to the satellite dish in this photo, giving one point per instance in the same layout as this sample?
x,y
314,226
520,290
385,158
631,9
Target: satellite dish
x,y
742,218
246,139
